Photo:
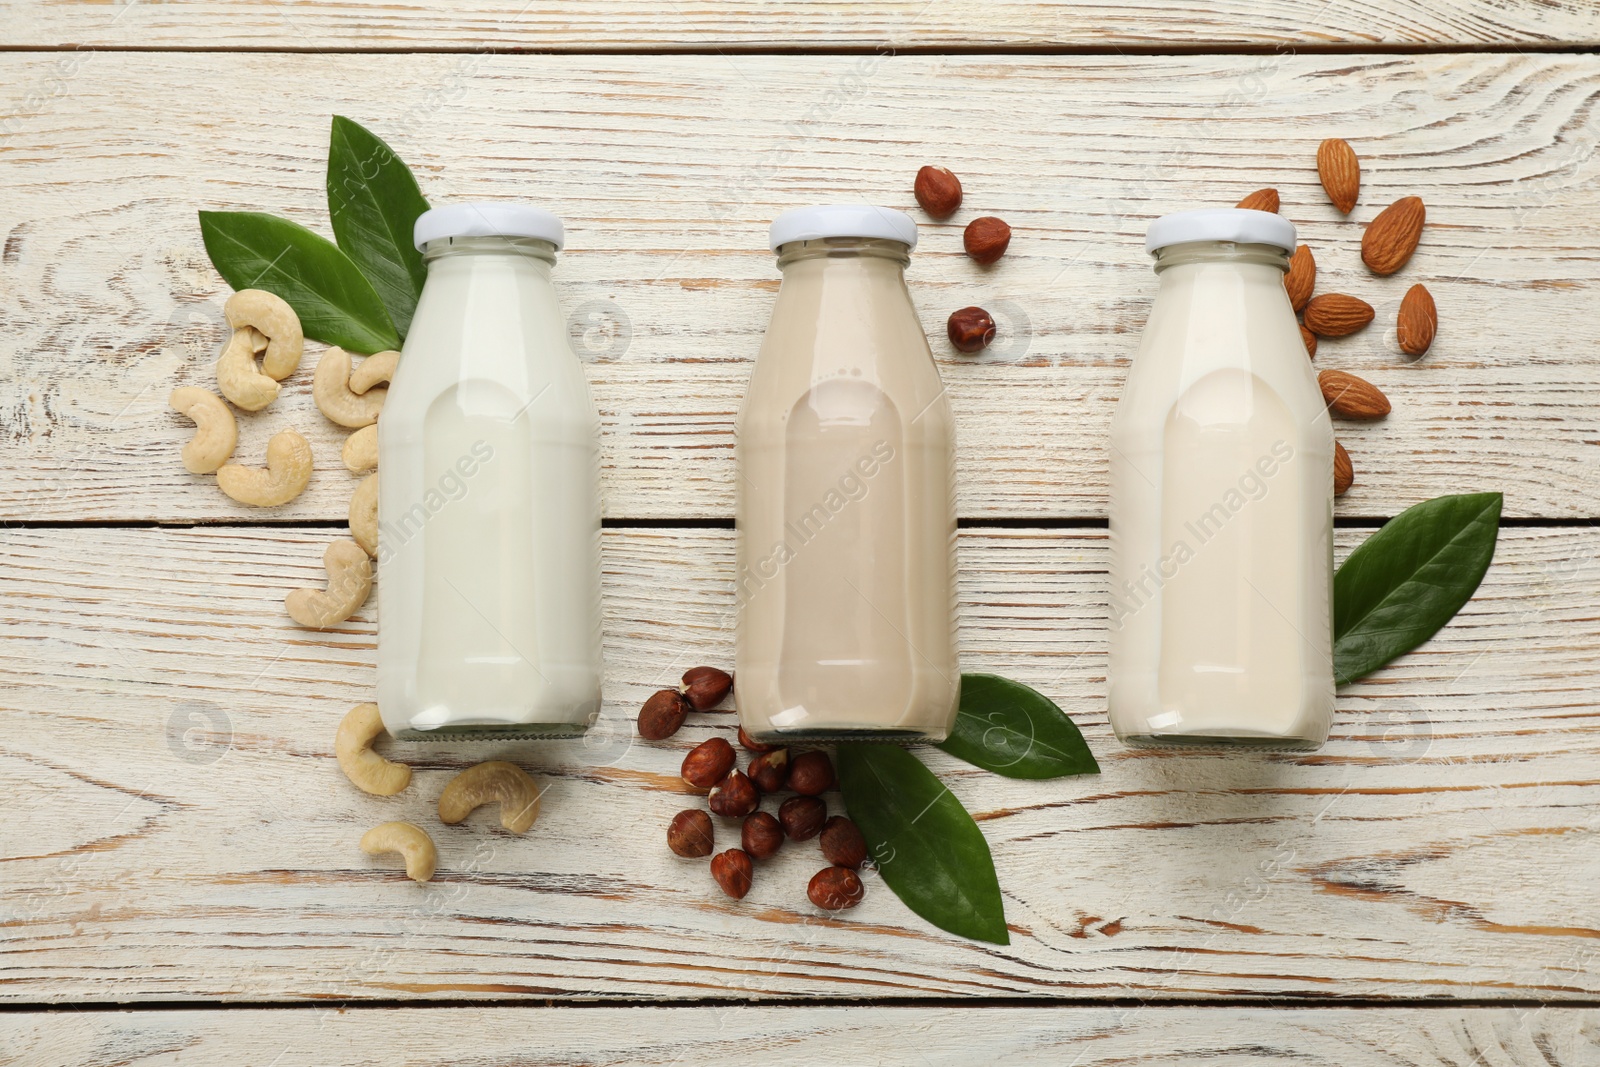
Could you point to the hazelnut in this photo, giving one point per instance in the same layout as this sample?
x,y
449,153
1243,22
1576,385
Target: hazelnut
x,y
750,744
734,797
970,329
731,869
835,888
802,817
709,763
690,833
769,769
662,715
986,239
938,191
704,687
842,844
811,773
762,835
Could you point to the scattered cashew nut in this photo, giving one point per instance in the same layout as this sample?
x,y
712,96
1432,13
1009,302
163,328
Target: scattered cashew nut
x,y
330,388
378,367
238,377
364,514
370,772
410,841
288,472
360,451
215,433
272,316
497,780
349,582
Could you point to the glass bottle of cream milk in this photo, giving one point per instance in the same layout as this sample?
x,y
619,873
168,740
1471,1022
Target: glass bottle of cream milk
x,y
489,512
846,503
1221,502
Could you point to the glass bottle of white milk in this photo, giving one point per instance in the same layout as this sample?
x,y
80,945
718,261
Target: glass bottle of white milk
x,y
846,518
1221,502
489,511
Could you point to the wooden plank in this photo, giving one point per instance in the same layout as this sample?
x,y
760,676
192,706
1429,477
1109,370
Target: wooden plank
x,y
617,25
177,827
668,170
665,1037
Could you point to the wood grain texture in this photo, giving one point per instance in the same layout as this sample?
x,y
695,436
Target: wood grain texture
x,y
606,25
177,827
887,1037
668,169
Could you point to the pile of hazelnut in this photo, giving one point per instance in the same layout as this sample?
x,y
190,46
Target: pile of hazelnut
x,y
938,192
712,767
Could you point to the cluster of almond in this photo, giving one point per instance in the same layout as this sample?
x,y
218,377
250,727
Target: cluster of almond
x,y
985,239
712,767
1386,246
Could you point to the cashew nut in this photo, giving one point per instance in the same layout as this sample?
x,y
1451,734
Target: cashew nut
x,y
349,582
364,515
238,377
272,315
215,433
288,472
496,780
361,449
410,841
258,341
370,772
330,388
378,367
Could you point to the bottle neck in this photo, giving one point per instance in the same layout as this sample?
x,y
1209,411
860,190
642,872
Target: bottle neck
x,y
872,254
1208,253
451,253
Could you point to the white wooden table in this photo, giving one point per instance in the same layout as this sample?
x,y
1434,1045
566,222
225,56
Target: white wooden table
x,y
178,849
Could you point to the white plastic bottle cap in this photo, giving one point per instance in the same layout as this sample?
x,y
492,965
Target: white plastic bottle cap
x,y
487,218
1240,225
843,220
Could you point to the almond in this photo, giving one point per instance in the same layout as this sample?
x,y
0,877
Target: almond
x,y
1418,321
1391,237
1310,340
1344,475
1261,200
1302,276
1336,315
1350,397
1340,172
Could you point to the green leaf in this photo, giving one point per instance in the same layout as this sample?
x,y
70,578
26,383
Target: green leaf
x,y
1409,578
927,847
336,304
374,201
1010,729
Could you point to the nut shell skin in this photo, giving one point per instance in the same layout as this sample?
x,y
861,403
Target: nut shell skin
x,y
835,888
761,835
802,817
1418,321
1309,339
811,773
734,797
662,715
986,239
1344,473
1301,278
938,191
842,843
770,769
750,744
1351,397
1261,200
709,763
1391,238
971,329
705,687
732,870
1337,314
690,834
1340,172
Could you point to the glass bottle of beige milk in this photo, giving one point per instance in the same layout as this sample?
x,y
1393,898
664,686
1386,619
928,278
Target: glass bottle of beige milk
x,y
489,511
846,504
1221,502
